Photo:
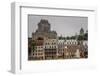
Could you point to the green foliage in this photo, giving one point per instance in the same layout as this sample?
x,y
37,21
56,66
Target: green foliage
x,y
67,37
33,45
72,37
86,36
81,36
64,38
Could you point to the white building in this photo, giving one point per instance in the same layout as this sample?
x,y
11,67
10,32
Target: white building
x,y
67,48
61,48
39,52
70,42
50,48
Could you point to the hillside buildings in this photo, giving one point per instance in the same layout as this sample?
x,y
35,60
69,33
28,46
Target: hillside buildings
x,y
45,45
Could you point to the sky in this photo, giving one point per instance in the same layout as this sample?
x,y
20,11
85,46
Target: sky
x,y
63,25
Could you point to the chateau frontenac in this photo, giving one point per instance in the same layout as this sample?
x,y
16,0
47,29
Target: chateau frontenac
x,y
45,44
44,31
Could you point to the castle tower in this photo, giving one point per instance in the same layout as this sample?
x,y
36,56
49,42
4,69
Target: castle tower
x,y
43,26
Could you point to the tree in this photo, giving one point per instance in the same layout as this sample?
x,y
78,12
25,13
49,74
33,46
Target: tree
x,y
60,37
72,37
81,35
86,36
67,37
33,45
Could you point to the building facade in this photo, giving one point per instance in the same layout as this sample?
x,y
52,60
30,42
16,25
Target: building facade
x,y
38,52
45,44
50,48
45,41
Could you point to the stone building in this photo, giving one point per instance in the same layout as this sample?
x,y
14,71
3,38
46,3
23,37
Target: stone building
x,y
45,41
44,31
38,52
60,48
50,48
70,49
45,44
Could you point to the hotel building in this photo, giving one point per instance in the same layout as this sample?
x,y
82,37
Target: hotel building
x,y
45,44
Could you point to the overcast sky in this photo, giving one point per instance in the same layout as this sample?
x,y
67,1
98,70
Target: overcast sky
x,y
63,25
